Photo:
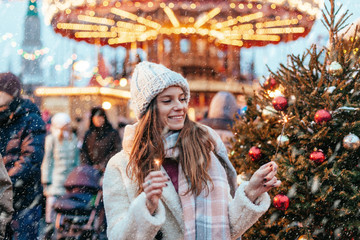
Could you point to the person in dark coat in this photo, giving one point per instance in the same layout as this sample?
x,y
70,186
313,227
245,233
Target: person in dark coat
x,y
221,116
101,141
22,138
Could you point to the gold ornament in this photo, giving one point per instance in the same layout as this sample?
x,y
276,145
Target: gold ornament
x,y
335,69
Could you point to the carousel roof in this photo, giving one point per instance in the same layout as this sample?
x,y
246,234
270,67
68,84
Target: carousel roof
x,y
242,23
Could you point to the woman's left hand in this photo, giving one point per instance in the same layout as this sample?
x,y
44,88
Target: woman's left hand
x,y
262,181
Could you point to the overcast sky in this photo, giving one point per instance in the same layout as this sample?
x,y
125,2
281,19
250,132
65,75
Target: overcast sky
x,y
12,14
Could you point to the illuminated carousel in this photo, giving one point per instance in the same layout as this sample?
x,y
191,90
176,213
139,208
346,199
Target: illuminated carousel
x,y
200,39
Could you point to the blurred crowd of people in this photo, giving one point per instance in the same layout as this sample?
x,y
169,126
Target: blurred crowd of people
x,y
37,156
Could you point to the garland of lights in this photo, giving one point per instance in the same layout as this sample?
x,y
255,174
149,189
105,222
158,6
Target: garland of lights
x,y
37,53
33,56
26,55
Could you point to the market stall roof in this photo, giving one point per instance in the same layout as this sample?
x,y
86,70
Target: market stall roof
x,y
242,23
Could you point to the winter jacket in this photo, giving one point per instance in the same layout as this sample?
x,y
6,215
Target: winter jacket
x,y
6,201
127,214
100,144
221,114
59,160
22,140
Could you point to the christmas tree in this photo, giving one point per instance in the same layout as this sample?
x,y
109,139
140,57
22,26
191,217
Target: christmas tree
x,y
307,119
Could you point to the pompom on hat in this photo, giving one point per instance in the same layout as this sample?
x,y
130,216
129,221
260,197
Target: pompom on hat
x,y
10,84
59,120
148,80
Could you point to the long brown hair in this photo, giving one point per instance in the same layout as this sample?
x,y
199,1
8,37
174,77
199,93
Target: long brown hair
x,y
194,143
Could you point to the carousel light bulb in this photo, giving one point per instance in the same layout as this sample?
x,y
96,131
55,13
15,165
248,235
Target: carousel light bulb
x,y
106,105
81,66
123,82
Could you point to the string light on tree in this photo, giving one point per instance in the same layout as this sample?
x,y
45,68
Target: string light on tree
x,y
270,84
304,237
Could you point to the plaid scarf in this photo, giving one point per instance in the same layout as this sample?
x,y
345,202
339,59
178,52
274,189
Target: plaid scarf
x,y
205,216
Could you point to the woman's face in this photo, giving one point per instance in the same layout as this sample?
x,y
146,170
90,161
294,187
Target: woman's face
x,y
98,120
172,108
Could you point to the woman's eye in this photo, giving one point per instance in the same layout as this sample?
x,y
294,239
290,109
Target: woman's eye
x,y
166,101
183,99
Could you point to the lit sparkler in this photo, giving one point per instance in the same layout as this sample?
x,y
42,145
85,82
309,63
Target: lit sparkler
x,y
157,164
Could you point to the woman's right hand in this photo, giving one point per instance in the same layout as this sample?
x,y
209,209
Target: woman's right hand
x,y
153,185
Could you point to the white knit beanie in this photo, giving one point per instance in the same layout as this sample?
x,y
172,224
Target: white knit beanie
x,y
59,120
148,80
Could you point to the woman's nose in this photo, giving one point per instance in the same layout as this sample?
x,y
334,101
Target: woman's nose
x,y
177,105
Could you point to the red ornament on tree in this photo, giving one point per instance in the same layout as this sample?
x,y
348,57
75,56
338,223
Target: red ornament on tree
x,y
322,116
255,153
281,202
317,156
270,84
280,103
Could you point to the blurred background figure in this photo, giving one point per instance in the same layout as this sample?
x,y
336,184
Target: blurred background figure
x,y
221,115
101,141
22,137
61,157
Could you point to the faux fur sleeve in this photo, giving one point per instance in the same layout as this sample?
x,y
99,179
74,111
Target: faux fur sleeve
x,y
127,218
243,213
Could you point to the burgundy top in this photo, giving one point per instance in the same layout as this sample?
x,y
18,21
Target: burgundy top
x,y
171,167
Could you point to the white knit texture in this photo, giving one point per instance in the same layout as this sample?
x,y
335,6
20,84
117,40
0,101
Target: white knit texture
x,y
150,79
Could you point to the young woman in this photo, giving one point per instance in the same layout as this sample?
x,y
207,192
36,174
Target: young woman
x,y
173,179
101,141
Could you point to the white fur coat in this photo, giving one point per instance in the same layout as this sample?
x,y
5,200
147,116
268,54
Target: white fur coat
x,y
128,217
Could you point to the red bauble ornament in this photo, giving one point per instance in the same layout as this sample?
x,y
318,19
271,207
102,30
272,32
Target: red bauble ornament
x,y
322,116
270,84
317,156
280,103
255,153
281,202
